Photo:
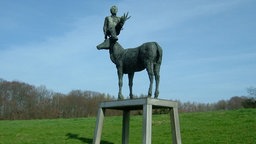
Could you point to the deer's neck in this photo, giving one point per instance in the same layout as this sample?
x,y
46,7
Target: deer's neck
x,y
116,51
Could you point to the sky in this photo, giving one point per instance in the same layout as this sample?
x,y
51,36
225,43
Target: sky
x,y
209,47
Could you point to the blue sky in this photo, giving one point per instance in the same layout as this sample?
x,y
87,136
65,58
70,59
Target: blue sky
x,y
209,46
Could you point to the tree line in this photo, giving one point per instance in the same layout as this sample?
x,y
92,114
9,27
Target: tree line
x,y
19,100
235,102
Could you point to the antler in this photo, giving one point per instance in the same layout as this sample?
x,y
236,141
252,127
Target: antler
x,y
125,17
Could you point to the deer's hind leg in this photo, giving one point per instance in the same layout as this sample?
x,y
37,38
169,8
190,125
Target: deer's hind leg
x,y
157,78
151,76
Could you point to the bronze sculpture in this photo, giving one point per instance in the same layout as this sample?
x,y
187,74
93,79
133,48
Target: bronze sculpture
x,y
147,56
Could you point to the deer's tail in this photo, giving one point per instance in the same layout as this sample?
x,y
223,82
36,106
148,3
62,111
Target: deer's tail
x,y
159,53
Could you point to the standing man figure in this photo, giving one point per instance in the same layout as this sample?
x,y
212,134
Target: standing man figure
x,y
113,24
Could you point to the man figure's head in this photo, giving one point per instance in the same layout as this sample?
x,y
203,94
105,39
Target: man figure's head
x,y
113,10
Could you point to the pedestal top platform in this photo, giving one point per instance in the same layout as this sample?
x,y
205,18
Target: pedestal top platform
x,y
137,104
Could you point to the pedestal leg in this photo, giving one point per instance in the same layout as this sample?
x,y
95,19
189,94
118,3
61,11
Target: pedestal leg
x,y
175,125
126,125
147,123
99,125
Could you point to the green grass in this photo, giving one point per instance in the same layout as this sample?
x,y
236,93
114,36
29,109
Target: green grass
x,y
221,127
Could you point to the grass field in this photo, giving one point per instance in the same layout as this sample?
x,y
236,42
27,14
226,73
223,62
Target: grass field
x,y
220,127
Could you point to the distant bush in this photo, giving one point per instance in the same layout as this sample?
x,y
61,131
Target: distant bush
x,y
249,103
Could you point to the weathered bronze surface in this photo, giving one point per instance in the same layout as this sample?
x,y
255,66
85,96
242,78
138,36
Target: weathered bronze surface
x,y
147,56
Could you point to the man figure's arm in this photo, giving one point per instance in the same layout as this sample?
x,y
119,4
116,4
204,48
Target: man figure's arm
x,y
105,27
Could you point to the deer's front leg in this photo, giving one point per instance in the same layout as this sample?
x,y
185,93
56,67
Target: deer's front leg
x,y
120,83
130,76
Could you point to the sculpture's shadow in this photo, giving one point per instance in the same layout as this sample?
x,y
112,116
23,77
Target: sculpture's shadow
x,y
83,139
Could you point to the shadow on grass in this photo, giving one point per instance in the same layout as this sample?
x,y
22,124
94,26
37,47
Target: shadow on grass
x,y
83,139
